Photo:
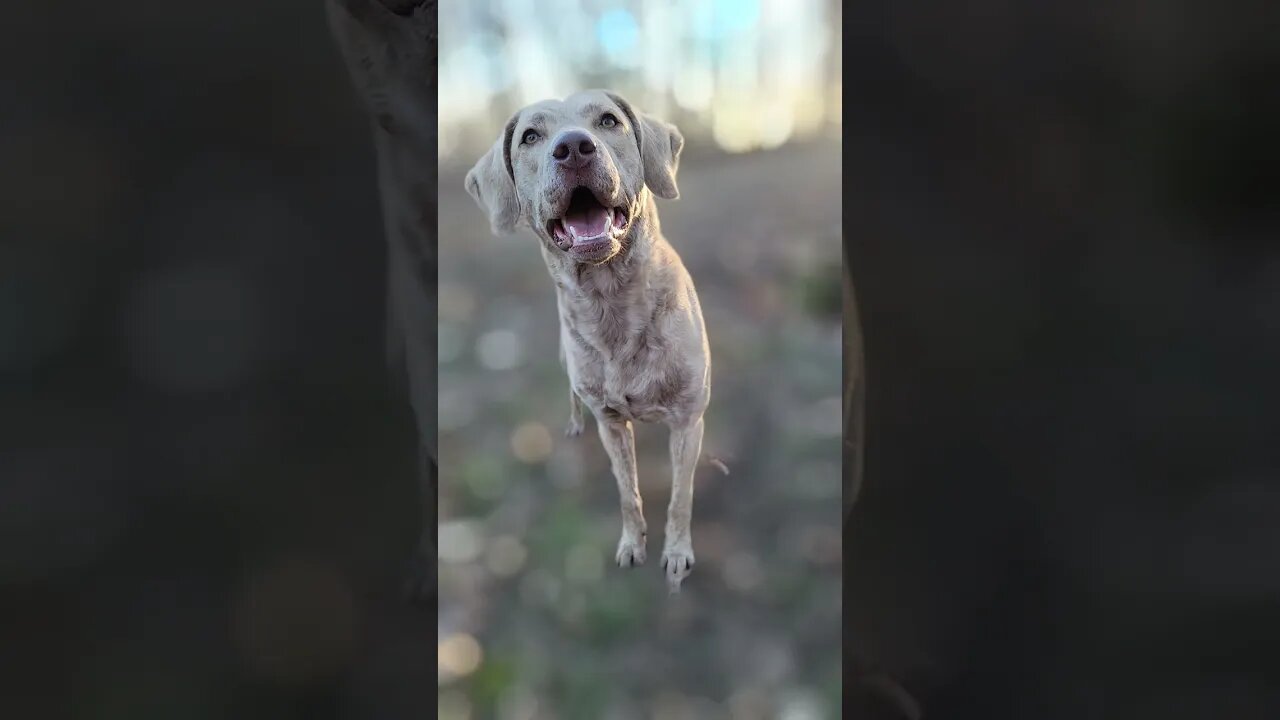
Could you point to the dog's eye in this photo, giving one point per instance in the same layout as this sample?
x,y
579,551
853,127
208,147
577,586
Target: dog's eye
x,y
530,137
608,120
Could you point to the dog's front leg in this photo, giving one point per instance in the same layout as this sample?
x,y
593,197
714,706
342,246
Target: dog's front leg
x,y
620,443
575,415
575,426
677,553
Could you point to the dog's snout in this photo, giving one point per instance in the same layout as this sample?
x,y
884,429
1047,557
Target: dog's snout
x,y
574,148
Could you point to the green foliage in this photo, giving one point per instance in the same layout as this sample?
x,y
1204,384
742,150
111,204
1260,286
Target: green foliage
x,y
820,293
497,674
615,612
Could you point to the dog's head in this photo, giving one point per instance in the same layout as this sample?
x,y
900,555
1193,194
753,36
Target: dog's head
x,y
576,171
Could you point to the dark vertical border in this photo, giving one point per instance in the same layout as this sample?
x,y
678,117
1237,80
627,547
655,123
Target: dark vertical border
x,y
1061,229
391,51
202,470
869,692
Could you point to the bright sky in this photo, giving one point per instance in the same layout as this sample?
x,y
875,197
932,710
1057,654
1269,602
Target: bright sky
x,y
751,73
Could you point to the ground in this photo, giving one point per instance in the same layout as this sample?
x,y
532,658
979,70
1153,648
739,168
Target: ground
x,y
530,517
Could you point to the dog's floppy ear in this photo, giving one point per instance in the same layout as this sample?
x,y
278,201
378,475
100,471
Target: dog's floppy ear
x,y
491,185
660,145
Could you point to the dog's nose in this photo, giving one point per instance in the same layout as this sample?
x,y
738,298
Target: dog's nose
x,y
574,148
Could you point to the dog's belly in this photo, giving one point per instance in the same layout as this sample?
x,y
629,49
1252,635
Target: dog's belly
x,y
611,397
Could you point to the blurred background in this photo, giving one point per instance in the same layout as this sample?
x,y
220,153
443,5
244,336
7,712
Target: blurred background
x,y
207,479
734,75
535,619
1063,229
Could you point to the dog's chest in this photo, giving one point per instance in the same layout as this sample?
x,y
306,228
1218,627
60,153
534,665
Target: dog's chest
x,y
614,395
618,365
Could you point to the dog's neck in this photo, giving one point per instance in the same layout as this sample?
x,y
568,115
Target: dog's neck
x,y
608,306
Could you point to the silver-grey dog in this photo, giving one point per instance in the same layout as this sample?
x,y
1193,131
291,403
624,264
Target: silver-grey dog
x,y
582,173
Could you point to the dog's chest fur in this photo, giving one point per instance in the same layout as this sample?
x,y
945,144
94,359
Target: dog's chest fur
x,y
620,326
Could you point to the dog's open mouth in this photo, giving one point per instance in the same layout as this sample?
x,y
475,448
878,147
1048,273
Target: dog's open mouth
x,y
587,225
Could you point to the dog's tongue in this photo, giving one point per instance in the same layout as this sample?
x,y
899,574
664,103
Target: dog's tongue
x,y
587,223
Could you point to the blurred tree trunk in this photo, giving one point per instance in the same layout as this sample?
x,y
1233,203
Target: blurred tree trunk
x,y
834,69
854,380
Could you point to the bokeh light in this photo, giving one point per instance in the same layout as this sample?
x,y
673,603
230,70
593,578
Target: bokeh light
x,y
740,74
458,656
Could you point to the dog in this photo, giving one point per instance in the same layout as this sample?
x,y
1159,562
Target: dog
x,y
583,174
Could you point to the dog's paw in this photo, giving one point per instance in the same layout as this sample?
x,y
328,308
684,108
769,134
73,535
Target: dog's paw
x,y
677,563
631,552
